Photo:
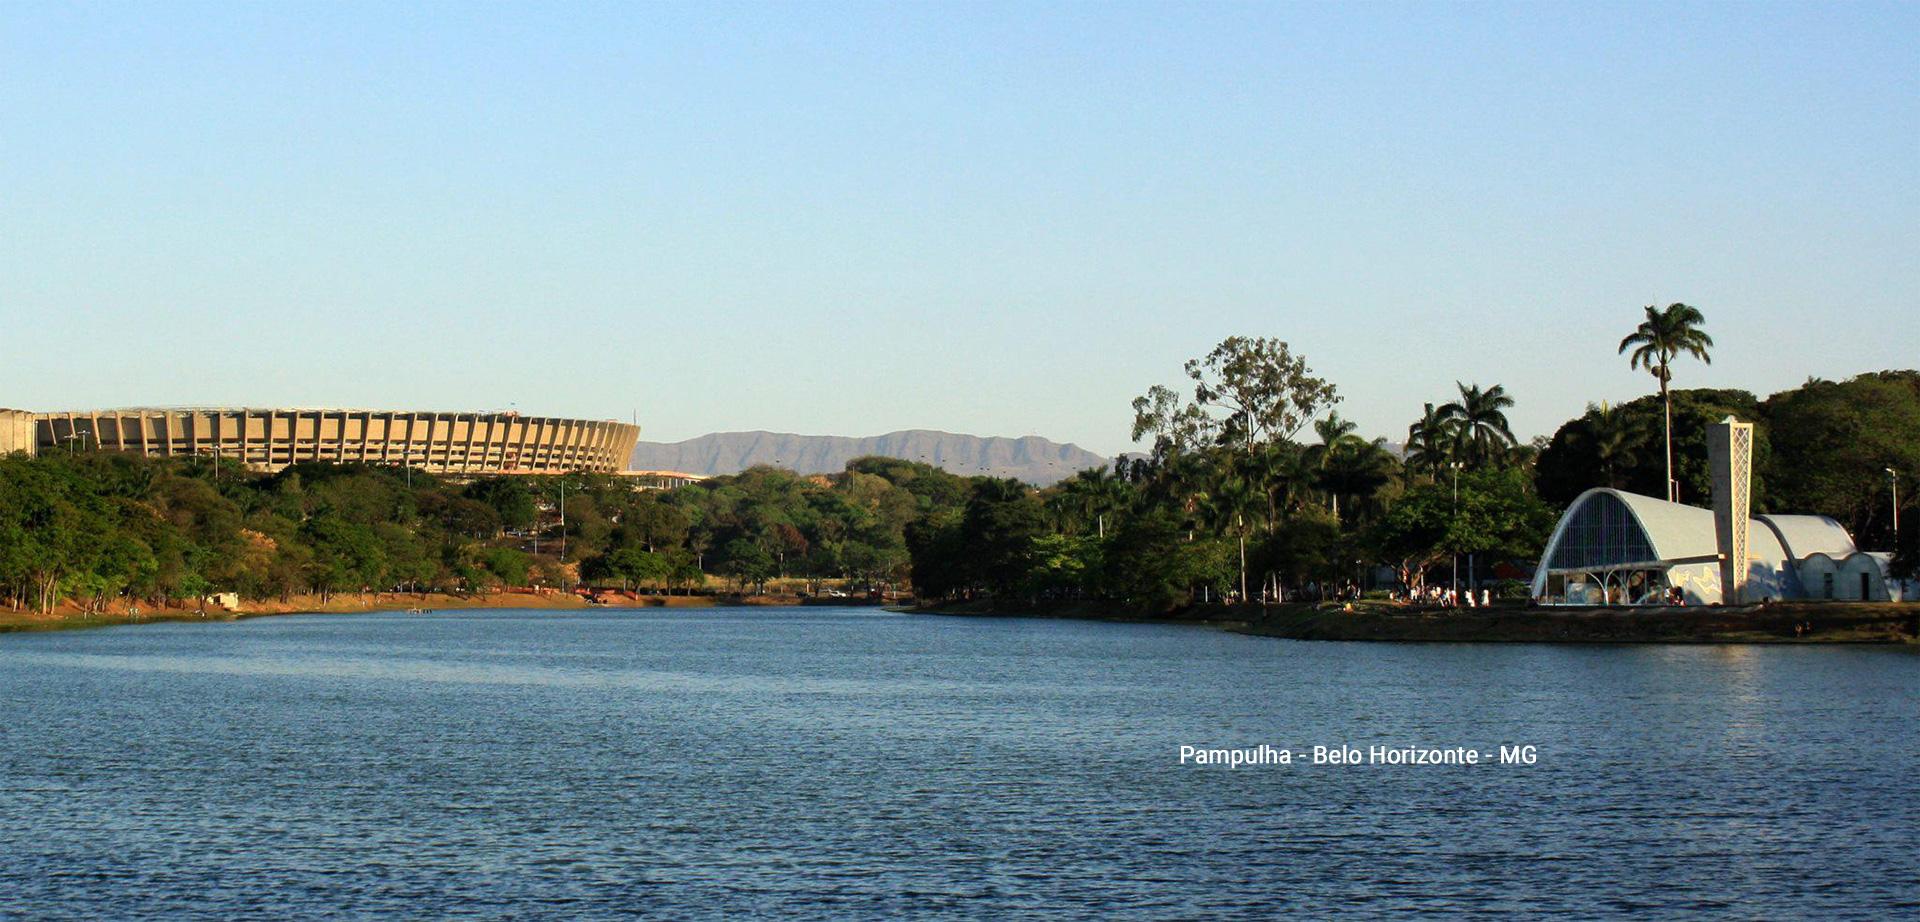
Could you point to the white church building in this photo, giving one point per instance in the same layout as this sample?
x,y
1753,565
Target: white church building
x,y
1617,548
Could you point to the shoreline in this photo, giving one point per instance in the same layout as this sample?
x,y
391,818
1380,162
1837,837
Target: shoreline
x,y
1891,624
356,603
1376,622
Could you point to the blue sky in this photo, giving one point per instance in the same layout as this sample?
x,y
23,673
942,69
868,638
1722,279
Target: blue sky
x,y
998,219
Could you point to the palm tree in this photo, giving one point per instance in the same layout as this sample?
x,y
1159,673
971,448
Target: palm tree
x,y
1355,469
1664,336
1335,434
1226,507
1087,498
1430,441
1334,430
1282,472
1480,422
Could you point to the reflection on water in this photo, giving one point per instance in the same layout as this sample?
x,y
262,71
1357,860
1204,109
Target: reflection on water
x,y
826,763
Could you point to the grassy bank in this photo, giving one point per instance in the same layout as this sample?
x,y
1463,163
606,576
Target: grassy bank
x,y
64,618
1797,622
67,617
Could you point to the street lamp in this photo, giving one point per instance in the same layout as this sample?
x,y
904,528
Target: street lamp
x,y
563,525
1456,518
1894,477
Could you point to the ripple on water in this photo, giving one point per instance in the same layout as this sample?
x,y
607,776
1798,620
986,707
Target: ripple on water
x,y
831,763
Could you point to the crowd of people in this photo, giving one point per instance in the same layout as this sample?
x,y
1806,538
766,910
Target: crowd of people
x,y
1445,597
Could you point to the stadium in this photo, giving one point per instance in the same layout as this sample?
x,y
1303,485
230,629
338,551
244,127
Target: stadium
x,y
271,439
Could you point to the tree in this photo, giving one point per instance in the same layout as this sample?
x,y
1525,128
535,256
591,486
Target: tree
x,y
938,553
1609,447
1284,474
1227,507
1176,427
1336,449
1308,549
1148,561
1667,334
1906,552
1497,513
1063,563
748,563
509,497
410,560
632,566
1001,522
1333,430
1082,503
1247,391
1610,438
1266,391
1355,470
346,555
1430,442
1412,536
507,565
1832,443
1479,423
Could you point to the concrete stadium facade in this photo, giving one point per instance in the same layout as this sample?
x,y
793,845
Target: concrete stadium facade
x,y
16,431
271,439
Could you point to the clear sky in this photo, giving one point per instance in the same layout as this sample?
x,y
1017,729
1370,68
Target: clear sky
x,y
996,219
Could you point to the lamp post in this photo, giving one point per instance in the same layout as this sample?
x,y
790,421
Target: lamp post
x,y
1456,518
563,523
1894,477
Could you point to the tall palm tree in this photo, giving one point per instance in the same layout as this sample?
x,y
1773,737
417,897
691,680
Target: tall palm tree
x,y
1334,430
1664,336
1480,422
1355,469
1282,472
1090,496
1430,441
1335,434
1226,506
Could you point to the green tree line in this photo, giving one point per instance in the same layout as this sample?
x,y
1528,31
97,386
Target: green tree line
x,y
1250,485
1253,486
90,528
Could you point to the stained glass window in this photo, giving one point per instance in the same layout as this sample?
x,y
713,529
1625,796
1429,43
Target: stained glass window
x,y
1601,533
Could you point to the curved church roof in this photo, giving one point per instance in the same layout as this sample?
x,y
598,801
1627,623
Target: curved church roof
x,y
1805,535
1676,531
1610,531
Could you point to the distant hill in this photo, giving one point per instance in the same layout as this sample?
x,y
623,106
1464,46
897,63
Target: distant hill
x,y
1032,459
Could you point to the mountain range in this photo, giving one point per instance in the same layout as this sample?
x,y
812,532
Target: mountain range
x,y
1031,458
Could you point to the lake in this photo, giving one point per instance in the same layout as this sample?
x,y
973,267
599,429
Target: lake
x,y
842,762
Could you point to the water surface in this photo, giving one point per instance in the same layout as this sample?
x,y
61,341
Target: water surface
x,y
848,762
